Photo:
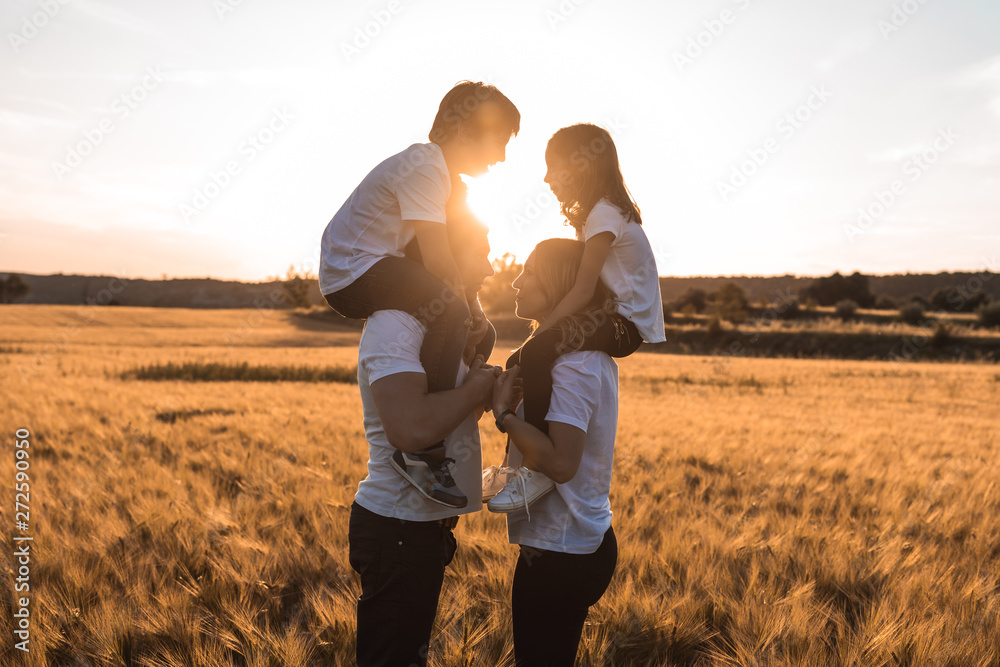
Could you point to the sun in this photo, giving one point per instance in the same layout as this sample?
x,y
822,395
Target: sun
x,y
517,206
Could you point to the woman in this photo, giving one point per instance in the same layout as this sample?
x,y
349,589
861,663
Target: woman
x,y
568,548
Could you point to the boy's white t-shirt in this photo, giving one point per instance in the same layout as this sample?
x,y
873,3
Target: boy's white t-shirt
x,y
574,516
390,344
376,221
629,270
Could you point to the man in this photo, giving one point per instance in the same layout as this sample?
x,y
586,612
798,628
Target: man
x,y
400,541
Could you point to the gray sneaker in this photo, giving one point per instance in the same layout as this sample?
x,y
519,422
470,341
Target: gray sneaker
x,y
433,480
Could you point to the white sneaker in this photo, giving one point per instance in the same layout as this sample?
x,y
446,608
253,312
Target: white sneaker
x,y
524,486
494,479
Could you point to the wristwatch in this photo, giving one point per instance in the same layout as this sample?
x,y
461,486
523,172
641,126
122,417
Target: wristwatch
x,y
503,414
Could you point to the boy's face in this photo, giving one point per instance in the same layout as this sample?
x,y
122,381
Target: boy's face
x,y
490,146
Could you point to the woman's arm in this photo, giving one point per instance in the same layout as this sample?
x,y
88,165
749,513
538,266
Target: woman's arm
x,y
595,252
556,455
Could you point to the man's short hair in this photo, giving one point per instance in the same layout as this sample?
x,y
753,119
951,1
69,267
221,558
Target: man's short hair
x,y
462,102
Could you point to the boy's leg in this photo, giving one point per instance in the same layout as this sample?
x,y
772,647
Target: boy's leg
x,y
397,283
402,565
489,341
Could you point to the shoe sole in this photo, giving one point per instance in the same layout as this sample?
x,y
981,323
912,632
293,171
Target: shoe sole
x,y
507,509
402,473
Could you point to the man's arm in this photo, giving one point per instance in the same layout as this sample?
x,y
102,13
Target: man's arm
x,y
414,419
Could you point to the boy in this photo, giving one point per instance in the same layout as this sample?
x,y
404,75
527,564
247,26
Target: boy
x,y
363,265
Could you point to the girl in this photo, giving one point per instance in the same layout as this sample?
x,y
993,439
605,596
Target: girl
x,y
584,174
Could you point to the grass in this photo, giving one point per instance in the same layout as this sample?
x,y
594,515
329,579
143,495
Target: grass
x,y
768,511
217,372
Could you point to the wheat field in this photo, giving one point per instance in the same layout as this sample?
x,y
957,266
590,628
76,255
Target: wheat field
x,y
768,511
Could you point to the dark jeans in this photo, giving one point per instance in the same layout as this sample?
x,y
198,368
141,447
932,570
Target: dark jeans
x,y
614,334
550,598
401,564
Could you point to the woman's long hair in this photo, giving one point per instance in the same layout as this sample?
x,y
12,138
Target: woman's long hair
x,y
593,172
556,263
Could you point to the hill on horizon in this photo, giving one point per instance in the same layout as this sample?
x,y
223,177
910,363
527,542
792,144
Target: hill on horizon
x,y
216,293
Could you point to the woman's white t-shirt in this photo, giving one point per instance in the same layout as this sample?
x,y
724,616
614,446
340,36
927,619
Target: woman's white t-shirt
x,y
629,270
574,516
376,221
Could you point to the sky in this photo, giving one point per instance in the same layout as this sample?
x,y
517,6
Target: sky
x,y
216,138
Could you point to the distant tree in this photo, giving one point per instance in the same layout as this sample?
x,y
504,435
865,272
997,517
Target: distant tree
x,y
831,289
729,302
957,300
296,286
917,298
989,316
12,288
696,298
942,335
790,310
846,309
886,302
912,313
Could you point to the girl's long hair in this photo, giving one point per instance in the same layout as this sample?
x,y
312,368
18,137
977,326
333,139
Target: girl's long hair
x,y
556,263
593,172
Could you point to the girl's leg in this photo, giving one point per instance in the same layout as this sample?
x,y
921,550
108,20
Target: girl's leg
x,y
535,358
609,333
550,598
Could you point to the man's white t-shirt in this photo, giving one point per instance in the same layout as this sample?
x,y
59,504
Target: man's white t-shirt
x,y
390,344
629,270
574,516
376,221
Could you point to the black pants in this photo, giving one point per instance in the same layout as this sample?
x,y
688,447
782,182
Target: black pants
x,y
550,598
401,564
614,334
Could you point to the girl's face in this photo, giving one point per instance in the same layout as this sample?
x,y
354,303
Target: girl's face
x,y
559,178
530,303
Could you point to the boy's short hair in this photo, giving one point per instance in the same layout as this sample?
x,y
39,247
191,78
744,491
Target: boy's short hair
x,y
462,102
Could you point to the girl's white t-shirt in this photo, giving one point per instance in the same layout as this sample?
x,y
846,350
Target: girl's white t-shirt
x,y
629,270
376,221
573,517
